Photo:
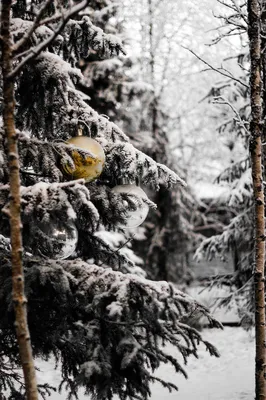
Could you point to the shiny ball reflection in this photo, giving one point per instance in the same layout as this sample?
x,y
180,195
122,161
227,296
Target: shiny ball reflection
x,y
57,241
134,217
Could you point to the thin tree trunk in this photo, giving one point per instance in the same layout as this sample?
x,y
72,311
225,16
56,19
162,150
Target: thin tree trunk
x,y
151,44
254,31
263,65
19,299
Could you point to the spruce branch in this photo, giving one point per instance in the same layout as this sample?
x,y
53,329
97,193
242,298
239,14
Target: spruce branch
x,y
138,315
34,52
119,151
223,100
31,31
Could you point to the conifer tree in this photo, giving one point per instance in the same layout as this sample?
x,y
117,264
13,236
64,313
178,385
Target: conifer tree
x,y
168,231
167,237
230,97
103,324
243,95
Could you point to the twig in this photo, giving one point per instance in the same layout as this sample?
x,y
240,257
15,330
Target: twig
x,y
118,249
227,75
226,102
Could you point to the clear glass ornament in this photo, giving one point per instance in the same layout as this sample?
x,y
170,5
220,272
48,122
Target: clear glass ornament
x,y
56,240
136,217
85,167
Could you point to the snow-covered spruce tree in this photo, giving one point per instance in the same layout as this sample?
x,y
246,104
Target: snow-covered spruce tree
x,y
168,231
117,90
104,325
103,79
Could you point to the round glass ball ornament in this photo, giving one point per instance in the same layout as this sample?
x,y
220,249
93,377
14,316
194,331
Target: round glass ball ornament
x,y
88,168
136,217
56,240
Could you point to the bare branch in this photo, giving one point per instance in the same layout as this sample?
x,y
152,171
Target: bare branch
x,y
219,70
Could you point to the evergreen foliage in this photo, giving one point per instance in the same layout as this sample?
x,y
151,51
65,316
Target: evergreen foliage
x,y
232,107
169,234
105,326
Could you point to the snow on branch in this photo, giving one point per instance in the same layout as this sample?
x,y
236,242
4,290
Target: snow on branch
x,y
82,35
43,201
118,242
35,51
241,192
238,231
50,203
123,159
86,301
234,172
78,38
238,175
32,37
46,159
66,107
234,22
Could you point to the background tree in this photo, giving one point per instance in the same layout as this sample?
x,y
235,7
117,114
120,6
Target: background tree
x,y
256,150
169,234
102,323
246,241
230,97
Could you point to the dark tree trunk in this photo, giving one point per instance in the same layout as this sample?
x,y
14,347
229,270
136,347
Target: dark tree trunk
x,y
254,31
19,299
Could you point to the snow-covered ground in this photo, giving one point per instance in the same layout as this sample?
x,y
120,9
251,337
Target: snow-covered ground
x,y
230,377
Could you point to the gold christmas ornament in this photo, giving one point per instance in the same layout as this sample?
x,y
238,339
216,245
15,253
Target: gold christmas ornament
x,y
88,167
136,217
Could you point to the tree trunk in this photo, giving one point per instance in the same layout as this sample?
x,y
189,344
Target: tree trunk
x,y
151,44
263,64
254,31
19,299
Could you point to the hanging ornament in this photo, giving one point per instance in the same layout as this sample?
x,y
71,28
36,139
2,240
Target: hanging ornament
x,y
135,217
56,240
87,167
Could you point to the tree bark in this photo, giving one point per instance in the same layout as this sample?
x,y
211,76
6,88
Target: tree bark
x,y
18,295
263,66
254,31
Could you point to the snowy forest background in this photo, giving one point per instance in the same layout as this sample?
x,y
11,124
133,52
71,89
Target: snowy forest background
x,y
173,76
199,62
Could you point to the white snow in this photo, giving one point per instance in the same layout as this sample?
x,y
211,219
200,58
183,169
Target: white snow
x,y
209,296
230,377
209,190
